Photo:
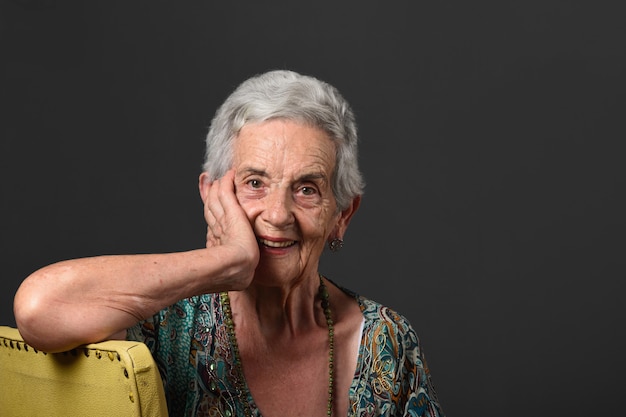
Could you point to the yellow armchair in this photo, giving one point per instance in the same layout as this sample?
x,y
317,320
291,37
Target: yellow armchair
x,y
114,378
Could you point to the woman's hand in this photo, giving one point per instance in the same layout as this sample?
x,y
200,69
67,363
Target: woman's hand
x,y
229,227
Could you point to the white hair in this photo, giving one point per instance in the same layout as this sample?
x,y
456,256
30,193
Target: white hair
x,y
283,94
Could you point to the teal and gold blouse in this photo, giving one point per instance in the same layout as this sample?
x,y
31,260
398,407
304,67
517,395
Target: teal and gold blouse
x,y
192,348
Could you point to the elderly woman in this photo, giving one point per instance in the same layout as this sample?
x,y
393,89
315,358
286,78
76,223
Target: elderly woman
x,y
248,326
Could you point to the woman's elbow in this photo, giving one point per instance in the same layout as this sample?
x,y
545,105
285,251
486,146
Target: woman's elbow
x,y
28,309
36,319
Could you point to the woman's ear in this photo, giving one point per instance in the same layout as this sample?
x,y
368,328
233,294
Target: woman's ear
x,y
345,217
203,186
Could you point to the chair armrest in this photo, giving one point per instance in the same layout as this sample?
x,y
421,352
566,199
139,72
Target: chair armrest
x,y
110,378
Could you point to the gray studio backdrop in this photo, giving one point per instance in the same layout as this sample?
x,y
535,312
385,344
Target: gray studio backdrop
x,y
491,143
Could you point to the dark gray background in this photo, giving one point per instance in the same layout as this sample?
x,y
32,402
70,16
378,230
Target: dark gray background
x,y
491,143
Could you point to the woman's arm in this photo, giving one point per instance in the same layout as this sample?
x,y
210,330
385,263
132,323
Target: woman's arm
x,y
79,301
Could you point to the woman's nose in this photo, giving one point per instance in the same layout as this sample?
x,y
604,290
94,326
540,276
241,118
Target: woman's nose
x,y
278,208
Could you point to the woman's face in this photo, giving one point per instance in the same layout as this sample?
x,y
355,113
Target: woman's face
x,y
283,177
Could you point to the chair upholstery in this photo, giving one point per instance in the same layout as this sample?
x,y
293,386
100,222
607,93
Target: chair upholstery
x,y
114,378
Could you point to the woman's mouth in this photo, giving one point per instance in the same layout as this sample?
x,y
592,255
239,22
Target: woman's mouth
x,y
275,244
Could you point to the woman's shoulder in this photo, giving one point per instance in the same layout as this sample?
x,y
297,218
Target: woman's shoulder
x,y
380,315
376,314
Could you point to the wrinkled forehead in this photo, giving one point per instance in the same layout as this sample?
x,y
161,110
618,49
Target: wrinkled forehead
x,y
284,144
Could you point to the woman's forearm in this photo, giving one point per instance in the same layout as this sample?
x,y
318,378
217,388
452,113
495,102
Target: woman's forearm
x,y
88,300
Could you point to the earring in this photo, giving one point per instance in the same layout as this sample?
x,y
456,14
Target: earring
x,y
335,245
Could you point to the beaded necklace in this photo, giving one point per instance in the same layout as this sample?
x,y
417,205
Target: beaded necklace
x,y
241,385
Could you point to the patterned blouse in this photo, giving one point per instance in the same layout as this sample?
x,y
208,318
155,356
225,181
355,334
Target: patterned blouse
x,y
192,348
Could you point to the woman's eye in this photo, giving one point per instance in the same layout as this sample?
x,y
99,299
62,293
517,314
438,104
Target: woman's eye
x,y
254,183
308,190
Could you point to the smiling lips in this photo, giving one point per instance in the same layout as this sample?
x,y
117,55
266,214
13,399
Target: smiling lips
x,y
274,244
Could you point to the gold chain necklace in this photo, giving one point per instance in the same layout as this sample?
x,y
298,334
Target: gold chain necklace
x,y
230,327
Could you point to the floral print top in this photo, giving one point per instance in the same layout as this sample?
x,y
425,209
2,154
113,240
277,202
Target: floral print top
x,y
192,348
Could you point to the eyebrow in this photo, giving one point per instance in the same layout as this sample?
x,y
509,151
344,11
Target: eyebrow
x,y
253,171
312,176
